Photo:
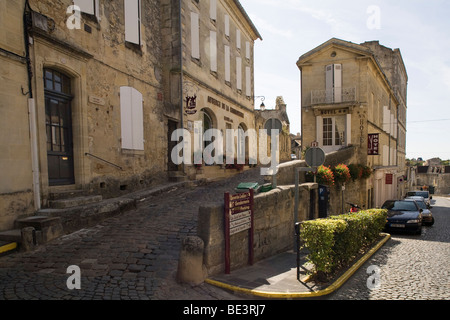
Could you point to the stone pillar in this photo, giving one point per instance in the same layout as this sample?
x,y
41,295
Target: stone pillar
x,y
190,264
28,242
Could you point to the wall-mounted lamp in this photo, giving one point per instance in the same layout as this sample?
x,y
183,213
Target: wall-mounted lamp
x,y
262,106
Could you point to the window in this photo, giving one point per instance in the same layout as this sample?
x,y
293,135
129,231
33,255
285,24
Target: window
x,y
88,6
195,36
227,26
334,131
238,39
227,64
239,73
333,80
131,116
133,21
247,50
248,82
213,10
213,50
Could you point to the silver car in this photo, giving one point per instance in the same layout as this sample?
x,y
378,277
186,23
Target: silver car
x,y
427,215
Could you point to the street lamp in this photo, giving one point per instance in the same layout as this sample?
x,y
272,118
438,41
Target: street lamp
x,y
262,106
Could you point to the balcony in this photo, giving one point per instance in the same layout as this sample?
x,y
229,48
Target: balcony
x,y
335,95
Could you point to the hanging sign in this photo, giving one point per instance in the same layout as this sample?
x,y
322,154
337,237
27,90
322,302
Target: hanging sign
x,y
238,218
373,144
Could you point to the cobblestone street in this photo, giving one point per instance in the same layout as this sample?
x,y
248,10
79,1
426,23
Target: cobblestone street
x,y
411,267
131,256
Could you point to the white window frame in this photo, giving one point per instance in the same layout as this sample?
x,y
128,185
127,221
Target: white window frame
x,y
132,11
131,118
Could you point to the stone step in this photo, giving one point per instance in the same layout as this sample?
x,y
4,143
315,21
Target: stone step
x,y
74,202
67,194
14,235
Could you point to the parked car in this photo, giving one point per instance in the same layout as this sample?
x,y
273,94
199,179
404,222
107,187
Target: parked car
x,y
427,215
403,215
424,194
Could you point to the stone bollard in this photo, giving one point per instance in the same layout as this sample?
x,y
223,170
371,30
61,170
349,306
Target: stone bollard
x,y
190,264
28,239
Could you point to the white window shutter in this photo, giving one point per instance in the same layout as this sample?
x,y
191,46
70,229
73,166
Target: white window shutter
x,y
248,82
227,64
227,25
247,50
329,82
238,38
213,50
138,120
213,9
126,119
239,73
132,21
337,83
86,6
131,118
195,36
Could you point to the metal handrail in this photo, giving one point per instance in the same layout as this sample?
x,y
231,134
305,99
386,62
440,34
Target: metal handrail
x,y
98,158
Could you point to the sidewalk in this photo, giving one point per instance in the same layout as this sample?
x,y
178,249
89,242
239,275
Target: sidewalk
x,y
276,277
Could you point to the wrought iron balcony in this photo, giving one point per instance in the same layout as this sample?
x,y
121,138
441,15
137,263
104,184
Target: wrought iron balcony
x,y
335,95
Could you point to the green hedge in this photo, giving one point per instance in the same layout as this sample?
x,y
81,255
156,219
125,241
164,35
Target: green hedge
x,y
335,241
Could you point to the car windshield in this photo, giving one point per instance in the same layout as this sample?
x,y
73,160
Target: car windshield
x,y
400,206
421,204
418,193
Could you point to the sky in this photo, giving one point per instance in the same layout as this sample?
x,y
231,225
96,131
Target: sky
x,y
419,28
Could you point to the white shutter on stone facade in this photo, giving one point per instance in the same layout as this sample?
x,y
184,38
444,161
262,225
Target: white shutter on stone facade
x,y
239,73
238,38
132,21
247,50
227,64
227,25
86,6
131,118
248,82
213,50
213,9
195,36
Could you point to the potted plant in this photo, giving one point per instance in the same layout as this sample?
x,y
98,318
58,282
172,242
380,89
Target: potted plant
x,y
325,176
341,174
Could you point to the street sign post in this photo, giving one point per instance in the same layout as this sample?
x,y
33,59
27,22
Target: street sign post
x,y
238,218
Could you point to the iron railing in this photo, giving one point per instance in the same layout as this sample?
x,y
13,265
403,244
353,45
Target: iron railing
x,y
335,95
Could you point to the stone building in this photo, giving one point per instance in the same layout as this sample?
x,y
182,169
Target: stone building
x,y
214,77
355,95
89,98
276,119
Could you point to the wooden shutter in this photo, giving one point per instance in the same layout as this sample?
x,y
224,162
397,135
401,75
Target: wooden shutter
x,y
239,73
195,36
86,6
132,21
227,64
213,9
238,38
337,79
213,50
329,83
227,25
247,50
131,118
248,82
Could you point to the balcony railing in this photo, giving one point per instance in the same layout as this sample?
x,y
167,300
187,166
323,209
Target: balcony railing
x,y
335,95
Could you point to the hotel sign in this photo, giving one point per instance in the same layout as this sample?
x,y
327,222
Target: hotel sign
x,y
373,144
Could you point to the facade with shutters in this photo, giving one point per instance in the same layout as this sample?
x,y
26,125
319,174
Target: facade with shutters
x,y
355,95
92,91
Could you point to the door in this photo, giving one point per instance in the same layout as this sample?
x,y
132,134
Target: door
x,y
58,122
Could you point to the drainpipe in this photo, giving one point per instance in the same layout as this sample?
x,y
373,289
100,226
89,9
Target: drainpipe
x,y
180,25
32,114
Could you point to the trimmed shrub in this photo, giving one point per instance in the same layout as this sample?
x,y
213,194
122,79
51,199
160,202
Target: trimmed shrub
x,y
337,240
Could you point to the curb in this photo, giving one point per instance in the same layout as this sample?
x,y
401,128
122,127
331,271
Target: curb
x,y
8,247
333,287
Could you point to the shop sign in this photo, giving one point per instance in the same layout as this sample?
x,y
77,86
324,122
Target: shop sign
x,y
373,144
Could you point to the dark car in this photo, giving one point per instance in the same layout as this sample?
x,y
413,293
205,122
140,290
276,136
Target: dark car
x,y
403,215
427,215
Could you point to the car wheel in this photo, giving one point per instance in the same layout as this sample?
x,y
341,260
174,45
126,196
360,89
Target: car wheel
x,y
419,231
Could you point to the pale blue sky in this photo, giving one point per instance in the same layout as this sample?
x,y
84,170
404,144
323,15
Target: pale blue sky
x,y
420,29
